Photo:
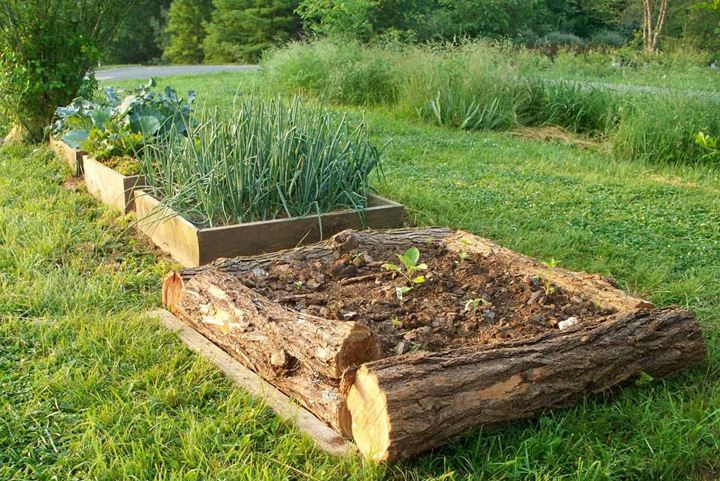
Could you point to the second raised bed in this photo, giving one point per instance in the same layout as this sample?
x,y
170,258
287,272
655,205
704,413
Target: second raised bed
x,y
194,246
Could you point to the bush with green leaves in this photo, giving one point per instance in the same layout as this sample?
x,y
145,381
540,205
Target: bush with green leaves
x,y
120,123
47,47
264,159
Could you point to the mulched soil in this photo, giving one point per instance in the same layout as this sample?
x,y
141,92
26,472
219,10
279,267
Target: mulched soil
x,y
470,301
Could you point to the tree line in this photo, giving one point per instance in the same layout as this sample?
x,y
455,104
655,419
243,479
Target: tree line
x,y
221,31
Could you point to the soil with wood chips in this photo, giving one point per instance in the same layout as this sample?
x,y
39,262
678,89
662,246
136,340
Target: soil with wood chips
x,y
465,299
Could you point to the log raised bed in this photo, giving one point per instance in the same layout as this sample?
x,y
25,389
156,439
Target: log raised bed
x,y
321,323
110,186
193,246
74,158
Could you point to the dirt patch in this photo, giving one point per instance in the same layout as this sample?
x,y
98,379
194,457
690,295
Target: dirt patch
x,y
557,134
464,300
74,184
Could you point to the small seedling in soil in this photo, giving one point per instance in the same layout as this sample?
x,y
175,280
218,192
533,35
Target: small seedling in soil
x,y
472,305
298,285
397,323
547,285
462,255
410,261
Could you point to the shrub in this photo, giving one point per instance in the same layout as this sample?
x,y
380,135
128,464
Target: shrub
x,y
263,160
555,40
608,38
46,49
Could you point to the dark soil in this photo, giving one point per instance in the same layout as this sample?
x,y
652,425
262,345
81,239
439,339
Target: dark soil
x,y
472,301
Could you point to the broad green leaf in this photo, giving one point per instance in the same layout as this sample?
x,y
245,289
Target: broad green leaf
x,y
421,267
99,117
412,255
74,138
391,267
419,279
148,125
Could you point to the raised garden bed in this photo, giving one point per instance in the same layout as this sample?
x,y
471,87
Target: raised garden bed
x,y
110,186
73,157
489,336
193,246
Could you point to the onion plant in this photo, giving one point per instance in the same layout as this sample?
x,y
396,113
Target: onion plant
x,y
263,159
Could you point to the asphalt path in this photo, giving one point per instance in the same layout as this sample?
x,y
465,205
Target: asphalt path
x,y
144,72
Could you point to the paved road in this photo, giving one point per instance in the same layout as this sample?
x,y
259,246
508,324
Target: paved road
x,y
135,72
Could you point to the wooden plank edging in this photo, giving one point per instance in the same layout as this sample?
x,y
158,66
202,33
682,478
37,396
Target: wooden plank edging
x,y
324,437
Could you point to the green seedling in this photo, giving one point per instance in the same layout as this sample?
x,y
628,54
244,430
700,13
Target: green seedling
x,y
298,284
473,305
547,285
397,323
462,255
410,265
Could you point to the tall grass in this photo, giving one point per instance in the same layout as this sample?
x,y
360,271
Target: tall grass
x,y
264,159
478,85
664,128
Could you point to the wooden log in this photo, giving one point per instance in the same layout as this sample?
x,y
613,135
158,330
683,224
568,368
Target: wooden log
x,y
304,356
394,240
405,405
324,437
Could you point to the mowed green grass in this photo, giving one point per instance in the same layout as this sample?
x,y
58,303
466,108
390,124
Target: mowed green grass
x,y
93,389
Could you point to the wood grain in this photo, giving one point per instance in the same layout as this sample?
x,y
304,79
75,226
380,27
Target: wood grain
x,y
323,436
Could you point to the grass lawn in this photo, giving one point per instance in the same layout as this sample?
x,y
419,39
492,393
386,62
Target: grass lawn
x,y
92,389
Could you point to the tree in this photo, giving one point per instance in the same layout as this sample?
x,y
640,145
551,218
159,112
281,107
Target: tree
x,y
186,30
654,13
47,47
240,30
139,38
366,19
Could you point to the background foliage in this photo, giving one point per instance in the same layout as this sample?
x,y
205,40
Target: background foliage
x,y
46,49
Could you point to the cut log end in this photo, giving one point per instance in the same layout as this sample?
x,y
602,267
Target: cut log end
x,y
172,290
361,345
370,421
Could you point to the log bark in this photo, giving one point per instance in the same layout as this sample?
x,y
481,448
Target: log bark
x,y
404,405
395,240
302,355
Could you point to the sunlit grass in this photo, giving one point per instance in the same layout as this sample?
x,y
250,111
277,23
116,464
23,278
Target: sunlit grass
x,y
92,389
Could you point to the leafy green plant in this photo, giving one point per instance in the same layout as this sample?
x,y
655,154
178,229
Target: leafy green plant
x,y
462,255
120,123
264,159
472,305
548,287
710,143
409,266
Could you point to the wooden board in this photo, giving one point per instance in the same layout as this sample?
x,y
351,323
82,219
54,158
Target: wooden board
x,y
194,247
323,436
74,158
169,231
109,186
